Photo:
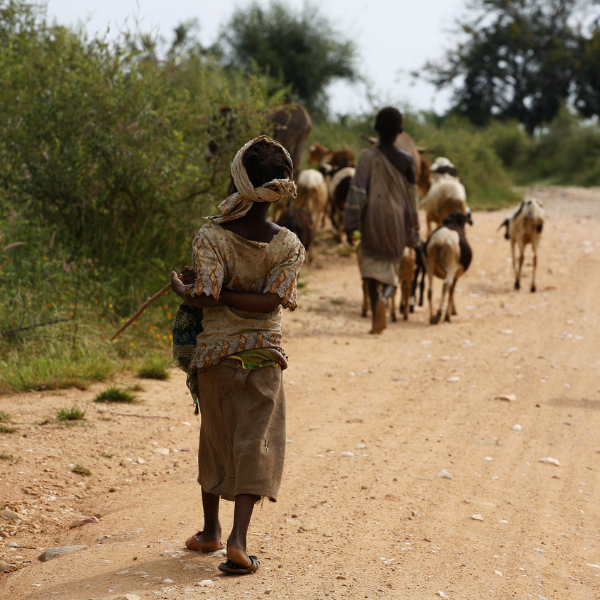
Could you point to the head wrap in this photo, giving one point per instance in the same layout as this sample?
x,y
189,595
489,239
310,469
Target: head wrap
x,y
238,204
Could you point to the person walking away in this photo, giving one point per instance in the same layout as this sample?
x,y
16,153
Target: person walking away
x,y
243,274
382,205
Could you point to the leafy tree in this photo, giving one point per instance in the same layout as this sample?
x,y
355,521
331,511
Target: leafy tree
x,y
520,59
300,49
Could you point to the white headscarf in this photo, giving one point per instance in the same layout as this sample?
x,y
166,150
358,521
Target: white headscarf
x,y
238,204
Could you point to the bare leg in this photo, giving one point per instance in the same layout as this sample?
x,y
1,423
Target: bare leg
x,y
236,543
209,539
373,289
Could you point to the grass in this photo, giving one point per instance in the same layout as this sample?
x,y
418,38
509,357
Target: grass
x,y
106,454
6,456
136,387
114,394
71,414
81,470
154,367
7,429
4,417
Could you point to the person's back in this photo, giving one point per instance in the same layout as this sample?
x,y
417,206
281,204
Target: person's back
x,y
244,273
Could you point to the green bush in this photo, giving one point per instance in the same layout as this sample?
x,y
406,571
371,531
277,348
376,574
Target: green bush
x,y
114,394
70,414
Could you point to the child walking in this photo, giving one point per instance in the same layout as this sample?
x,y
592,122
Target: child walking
x,y
243,274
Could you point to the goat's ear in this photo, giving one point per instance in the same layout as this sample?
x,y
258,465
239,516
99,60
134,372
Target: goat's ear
x,y
312,148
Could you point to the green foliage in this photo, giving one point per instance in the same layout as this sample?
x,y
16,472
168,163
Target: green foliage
x,y
519,59
4,417
106,454
103,183
81,470
70,414
155,367
300,48
7,429
114,394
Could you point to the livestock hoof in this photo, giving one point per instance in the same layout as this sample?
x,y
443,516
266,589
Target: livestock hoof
x,y
435,319
393,318
517,285
533,288
406,317
447,318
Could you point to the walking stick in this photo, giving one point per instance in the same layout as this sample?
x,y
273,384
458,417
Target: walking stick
x,y
140,310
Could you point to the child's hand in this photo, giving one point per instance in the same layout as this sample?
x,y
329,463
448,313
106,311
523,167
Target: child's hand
x,y
188,276
176,284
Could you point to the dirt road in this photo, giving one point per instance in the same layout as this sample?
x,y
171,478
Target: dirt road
x,y
372,421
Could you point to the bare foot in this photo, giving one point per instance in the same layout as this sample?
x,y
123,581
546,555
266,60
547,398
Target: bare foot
x,y
237,554
379,323
203,542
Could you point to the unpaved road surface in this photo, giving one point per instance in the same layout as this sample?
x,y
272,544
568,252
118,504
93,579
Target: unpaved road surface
x,y
407,404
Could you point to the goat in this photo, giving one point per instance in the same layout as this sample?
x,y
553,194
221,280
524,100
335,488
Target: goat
x,y
406,271
317,153
338,185
312,195
298,221
447,256
524,227
446,195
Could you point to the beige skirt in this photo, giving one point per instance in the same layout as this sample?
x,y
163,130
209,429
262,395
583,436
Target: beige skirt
x,y
380,270
242,431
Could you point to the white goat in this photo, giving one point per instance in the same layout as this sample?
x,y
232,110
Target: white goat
x,y
446,194
524,227
447,256
312,195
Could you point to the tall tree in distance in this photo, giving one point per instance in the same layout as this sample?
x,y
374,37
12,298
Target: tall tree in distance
x,y
301,49
521,59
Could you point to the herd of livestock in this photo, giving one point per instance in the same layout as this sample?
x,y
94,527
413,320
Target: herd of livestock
x,y
445,254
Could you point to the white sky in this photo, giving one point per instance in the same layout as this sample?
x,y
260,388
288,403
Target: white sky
x,y
394,37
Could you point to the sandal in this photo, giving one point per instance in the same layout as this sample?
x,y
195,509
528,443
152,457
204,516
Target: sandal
x,y
233,569
192,543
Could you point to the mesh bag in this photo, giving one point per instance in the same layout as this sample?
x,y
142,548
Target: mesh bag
x,y
186,327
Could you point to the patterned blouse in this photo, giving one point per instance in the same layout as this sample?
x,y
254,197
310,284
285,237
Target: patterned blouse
x,y
222,258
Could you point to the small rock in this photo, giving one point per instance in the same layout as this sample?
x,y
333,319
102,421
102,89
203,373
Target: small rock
x,y
84,521
488,458
206,583
347,454
361,446
304,528
162,451
190,567
442,595
452,379
499,573
507,398
13,545
102,537
112,489
477,517
444,474
503,521
58,551
5,567
125,572
141,461
506,331
517,427
9,514
539,550
81,485
222,552
593,565
167,581
414,513
550,461
130,597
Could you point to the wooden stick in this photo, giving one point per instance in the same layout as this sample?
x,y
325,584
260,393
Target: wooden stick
x,y
140,310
